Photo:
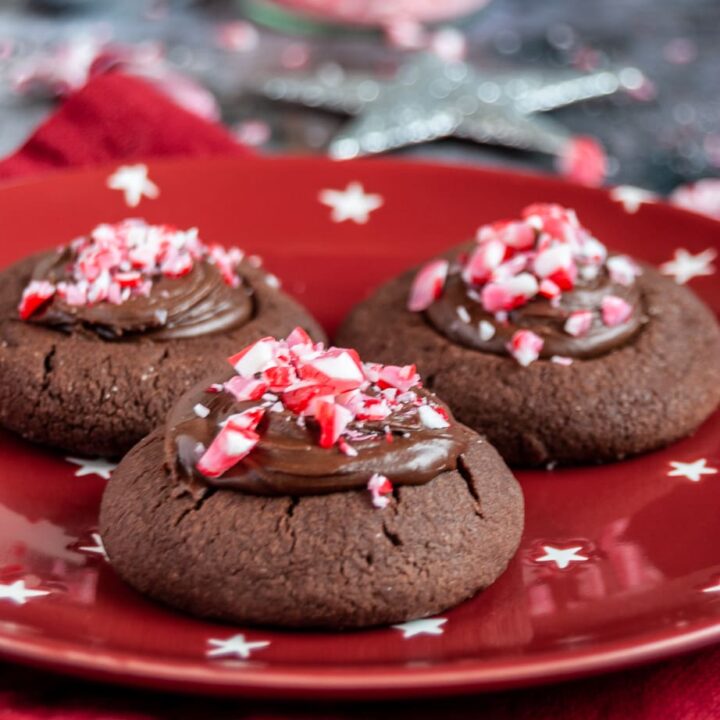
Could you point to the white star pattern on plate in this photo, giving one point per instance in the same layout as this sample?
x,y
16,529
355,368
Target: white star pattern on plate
x,y
714,588
684,266
692,470
632,197
235,646
562,557
17,592
426,626
97,549
133,180
100,467
353,203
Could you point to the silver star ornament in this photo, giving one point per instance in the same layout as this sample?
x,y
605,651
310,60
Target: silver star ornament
x,y
430,98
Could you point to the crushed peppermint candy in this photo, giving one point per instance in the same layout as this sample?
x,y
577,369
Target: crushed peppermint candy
x,y
201,410
579,323
543,254
525,346
463,314
380,487
432,417
330,385
615,310
35,295
120,261
236,439
622,269
428,285
486,330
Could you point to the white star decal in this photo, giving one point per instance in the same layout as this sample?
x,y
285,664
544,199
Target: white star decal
x,y
685,266
133,180
353,203
97,549
17,593
562,557
714,588
632,197
235,646
100,467
692,470
426,626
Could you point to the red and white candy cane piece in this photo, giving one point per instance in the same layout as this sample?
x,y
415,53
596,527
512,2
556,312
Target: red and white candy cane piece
x,y
380,487
508,294
372,371
346,448
622,269
115,293
615,310
254,358
35,295
243,389
550,218
332,419
432,418
483,260
548,289
338,368
525,347
298,397
177,266
400,377
131,278
234,442
510,268
247,420
298,337
515,234
557,264
591,251
428,285
73,294
372,409
579,323
280,377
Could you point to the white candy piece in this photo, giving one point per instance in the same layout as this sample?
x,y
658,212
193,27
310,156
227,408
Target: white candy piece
x,y
431,418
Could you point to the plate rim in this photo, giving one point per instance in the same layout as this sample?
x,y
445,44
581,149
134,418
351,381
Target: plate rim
x,y
379,681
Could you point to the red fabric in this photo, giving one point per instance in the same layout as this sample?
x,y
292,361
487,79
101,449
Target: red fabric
x,y
117,117
121,118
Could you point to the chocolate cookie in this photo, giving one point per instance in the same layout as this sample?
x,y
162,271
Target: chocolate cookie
x,y
342,496
99,338
554,350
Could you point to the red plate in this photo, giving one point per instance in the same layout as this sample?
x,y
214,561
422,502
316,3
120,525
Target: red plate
x,y
643,580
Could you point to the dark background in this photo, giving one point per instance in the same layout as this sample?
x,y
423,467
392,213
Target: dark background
x,y
658,143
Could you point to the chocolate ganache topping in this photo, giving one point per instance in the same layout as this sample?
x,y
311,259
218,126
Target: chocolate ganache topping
x,y
131,279
541,286
297,419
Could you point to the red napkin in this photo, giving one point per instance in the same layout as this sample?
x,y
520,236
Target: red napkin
x,y
117,117
121,118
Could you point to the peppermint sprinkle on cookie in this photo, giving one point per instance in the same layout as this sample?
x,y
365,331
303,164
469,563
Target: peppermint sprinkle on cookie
x,y
380,487
346,400
538,258
120,261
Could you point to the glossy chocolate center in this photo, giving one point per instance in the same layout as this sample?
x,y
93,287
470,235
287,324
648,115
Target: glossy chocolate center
x,y
459,315
198,303
288,459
